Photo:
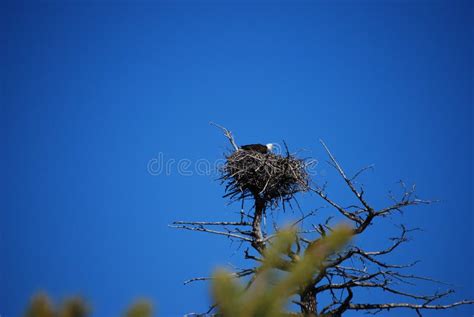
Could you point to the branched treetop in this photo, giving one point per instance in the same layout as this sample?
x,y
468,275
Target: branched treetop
x,y
341,274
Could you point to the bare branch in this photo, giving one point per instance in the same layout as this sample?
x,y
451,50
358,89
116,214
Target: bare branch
x,y
401,204
344,305
235,275
251,257
346,179
213,223
398,241
202,229
347,214
357,174
227,134
388,306
380,263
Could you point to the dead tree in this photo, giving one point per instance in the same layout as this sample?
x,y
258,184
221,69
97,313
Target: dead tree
x,y
271,181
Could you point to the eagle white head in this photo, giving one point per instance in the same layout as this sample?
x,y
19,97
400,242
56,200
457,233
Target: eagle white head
x,y
269,147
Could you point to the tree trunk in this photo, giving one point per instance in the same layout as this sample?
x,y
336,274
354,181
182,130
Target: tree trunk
x,y
308,302
257,242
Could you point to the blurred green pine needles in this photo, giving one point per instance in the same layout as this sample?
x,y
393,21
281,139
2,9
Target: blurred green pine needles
x,y
270,291
42,306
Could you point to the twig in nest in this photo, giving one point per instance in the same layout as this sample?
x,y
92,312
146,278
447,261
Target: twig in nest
x,y
270,177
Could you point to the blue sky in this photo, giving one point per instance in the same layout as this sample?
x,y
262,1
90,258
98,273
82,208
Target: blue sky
x,y
91,92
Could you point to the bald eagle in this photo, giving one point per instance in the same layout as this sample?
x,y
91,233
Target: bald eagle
x,y
260,148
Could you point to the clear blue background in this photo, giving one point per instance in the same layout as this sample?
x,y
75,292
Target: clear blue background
x,y
91,92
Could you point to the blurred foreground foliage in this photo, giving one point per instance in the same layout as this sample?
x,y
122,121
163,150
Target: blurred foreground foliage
x,y
270,290
266,294
42,306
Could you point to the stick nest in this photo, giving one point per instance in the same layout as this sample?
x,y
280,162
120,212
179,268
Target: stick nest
x,y
271,177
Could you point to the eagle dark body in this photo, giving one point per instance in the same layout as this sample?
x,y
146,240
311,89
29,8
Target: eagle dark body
x,y
260,148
